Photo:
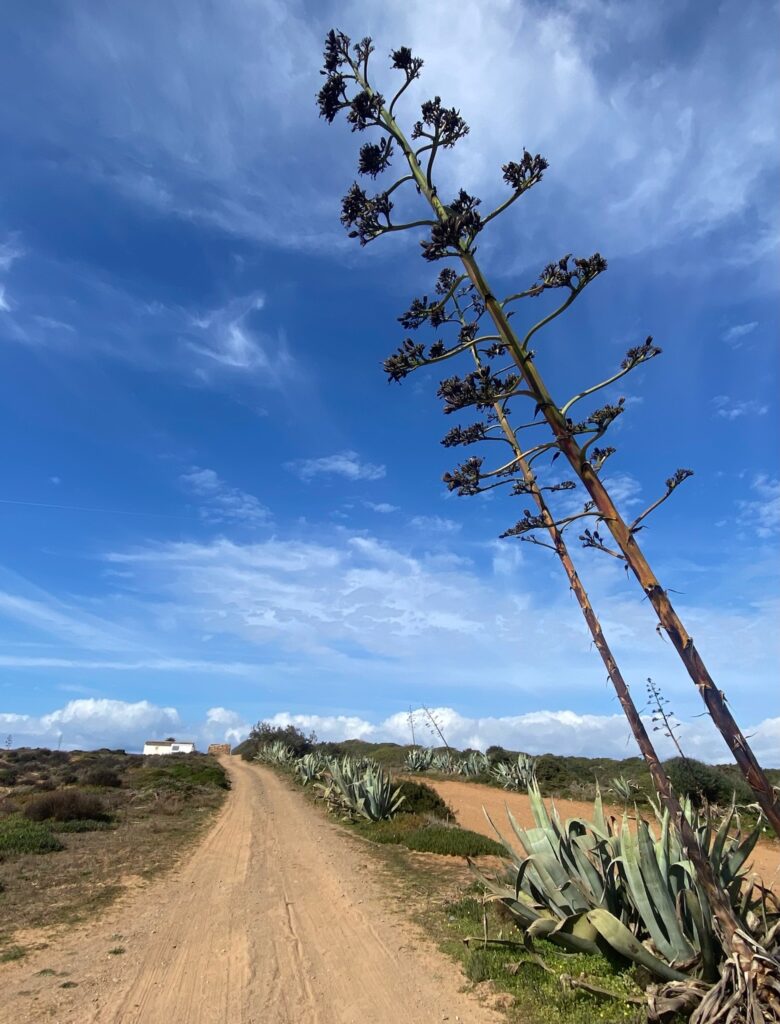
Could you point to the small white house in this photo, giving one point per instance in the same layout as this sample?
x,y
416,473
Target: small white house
x,y
169,746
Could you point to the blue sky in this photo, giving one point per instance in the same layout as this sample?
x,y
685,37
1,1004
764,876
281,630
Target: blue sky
x,y
214,507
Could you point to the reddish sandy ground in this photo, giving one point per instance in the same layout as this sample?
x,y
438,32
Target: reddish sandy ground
x,y
467,800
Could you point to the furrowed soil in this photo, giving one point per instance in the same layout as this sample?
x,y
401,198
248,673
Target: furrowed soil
x,y
277,917
467,799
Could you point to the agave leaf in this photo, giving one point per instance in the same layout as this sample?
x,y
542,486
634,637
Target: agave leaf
x,y
620,939
661,902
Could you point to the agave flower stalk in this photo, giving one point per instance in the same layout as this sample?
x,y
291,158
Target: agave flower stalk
x,y
454,227
453,231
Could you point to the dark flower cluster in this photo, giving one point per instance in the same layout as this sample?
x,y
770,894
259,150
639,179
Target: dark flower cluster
x,y
446,124
422,312
479,388
365,110
363,213
525,525
409,356
573,276
593,539
601,418
332,97
465,479
375,157
336,53
677,478
446,281
465,435
450,236
640,354
403,60
495,351
522,174
599,456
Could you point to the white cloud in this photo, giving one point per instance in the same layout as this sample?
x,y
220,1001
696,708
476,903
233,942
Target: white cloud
x,y
226,339
223,116
536,732
90,723
734,335
625,490
226,725
434,524
221,503
383,507
346,464
732,409
762,514
10,251
4,307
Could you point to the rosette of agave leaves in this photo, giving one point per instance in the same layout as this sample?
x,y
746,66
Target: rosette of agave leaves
x,y
624,888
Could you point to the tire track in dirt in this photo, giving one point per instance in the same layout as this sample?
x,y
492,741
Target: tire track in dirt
x,y
276,918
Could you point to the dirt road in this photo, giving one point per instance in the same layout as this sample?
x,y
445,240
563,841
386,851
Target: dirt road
x,y
468,798
276,918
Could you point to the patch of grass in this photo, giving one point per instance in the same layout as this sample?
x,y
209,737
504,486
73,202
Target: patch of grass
x,y
181,774
19,835
452,842
12,953
46,972
117,951
539,997
69,984
82,825
422,834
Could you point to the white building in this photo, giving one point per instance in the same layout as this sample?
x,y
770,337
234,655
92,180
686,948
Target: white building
x,y
169,746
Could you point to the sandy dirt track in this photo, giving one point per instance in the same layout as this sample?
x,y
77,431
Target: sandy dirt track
x,y
277,917
468,798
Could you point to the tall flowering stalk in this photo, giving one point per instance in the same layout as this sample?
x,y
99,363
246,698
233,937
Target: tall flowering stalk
x,y
465,298
463,304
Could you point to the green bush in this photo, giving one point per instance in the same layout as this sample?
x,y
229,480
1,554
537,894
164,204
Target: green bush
x,y
66,805
423,799
20,835
705,783
8,776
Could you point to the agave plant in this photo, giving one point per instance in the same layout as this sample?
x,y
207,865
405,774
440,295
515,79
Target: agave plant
x,y
367,791
624,789
277,753
310,767
444,762
475,763
519,774
591,886
418,759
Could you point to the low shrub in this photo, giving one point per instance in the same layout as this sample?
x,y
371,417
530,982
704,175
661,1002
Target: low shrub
x,y
8,776
20,835
104,777
423,799
452,842
66,805
182,774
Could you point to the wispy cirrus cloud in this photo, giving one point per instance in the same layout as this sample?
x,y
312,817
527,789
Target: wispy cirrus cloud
x,y
346,464
221,503
733,409
735,334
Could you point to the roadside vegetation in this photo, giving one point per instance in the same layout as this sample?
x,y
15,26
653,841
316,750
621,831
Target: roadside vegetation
x,y
75,827
603,913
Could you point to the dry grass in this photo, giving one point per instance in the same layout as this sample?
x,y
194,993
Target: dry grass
x,y
151,827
